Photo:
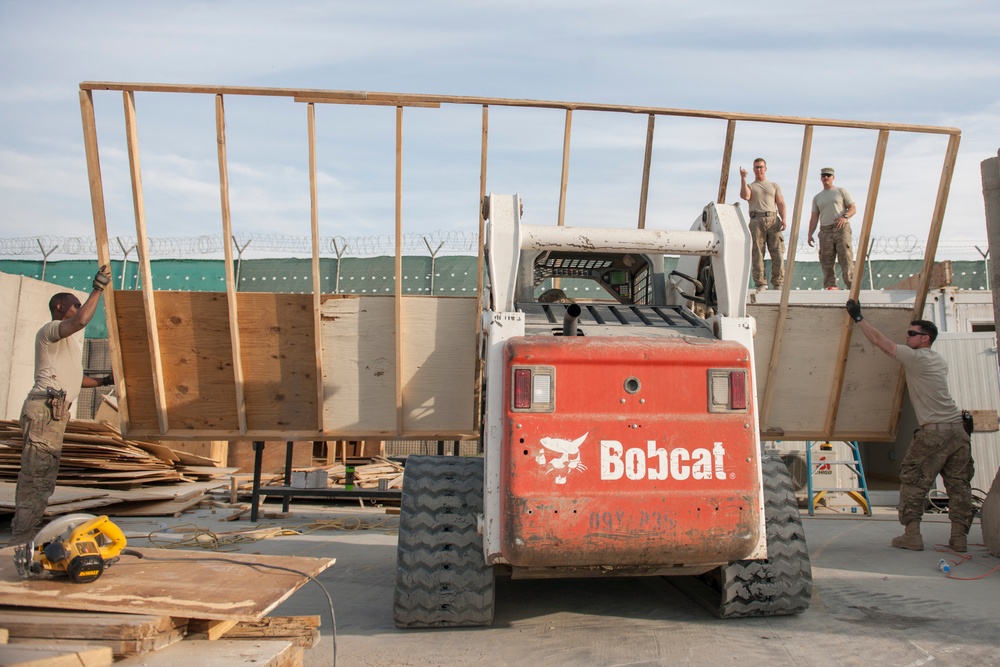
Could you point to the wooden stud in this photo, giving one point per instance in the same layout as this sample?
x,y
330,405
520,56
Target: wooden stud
x,y
227,245
317,287
480,262
564,180
399,271
91,147
859,271
727,156
306,99
132,138
647,161
937,219
800,188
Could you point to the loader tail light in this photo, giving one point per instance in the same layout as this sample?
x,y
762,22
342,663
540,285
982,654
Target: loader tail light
x,y
737,390
727,390
533,389
522,389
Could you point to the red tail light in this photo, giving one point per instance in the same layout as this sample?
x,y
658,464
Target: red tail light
x,y
522,388
737,390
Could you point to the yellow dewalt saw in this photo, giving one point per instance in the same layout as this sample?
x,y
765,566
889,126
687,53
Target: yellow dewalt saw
x,y
80,546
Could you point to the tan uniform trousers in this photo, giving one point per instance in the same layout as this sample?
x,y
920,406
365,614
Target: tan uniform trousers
x,y
43,438
835,244
947,453
766,232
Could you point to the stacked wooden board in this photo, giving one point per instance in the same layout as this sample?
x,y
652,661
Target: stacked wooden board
x,y
381,473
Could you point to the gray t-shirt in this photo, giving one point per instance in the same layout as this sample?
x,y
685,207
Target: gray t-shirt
x,y
831,204
762,195
927,385
58,361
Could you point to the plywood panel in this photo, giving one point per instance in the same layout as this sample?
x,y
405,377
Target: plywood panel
x,y
136,363
359,368
278,347
197,360
10,288
439,364
804,381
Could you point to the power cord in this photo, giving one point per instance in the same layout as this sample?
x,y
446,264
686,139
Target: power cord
x,y
962,558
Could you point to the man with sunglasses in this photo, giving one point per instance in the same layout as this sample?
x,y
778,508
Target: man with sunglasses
x,y
58,380
940,446
767,221
833,209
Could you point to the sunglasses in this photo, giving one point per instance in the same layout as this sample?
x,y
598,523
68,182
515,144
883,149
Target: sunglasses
x,y
911,333
825,175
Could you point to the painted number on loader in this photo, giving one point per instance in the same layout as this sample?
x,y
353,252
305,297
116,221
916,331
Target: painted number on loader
x,y
657,463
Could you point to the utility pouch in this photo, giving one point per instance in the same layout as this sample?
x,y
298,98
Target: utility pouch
x,y
57,404
967,422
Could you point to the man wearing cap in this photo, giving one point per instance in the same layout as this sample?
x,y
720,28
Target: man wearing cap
x,y
767,221
833,209
941,446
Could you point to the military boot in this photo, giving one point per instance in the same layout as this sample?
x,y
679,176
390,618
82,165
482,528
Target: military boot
x,y
958,541
910,539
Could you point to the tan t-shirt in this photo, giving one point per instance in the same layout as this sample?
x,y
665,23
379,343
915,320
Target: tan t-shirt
x,y
927,385
58,361
831,204
762,194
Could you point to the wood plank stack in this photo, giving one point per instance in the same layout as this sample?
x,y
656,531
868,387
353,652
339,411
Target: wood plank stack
x,y
366,476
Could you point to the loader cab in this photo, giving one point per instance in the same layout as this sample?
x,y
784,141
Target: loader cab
x,y
625,278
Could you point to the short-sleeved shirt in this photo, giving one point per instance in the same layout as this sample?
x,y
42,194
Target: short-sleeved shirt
x,y
58,361
831,204
763,194
927,385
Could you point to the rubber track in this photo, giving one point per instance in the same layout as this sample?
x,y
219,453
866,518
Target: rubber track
x,y
441,576
782,584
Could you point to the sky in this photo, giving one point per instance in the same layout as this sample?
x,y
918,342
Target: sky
x,y
914,62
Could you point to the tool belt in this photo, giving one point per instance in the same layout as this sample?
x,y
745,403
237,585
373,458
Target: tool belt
x,y
762,214
946,426
55,399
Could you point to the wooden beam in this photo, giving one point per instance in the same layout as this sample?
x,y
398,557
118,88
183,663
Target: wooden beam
x,y
317,302
91,147
727,156
142,245
564,179
859,271
227,245
307,99
480,262
937,219
647,162
399,271
400,99
772,369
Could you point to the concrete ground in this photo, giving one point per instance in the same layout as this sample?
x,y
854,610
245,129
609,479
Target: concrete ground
x,y
872,605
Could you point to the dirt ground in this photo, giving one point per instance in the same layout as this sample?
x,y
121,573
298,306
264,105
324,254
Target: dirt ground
x,y
872,604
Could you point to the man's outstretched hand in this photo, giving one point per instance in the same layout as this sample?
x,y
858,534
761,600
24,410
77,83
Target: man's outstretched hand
x,y
854,310
102,278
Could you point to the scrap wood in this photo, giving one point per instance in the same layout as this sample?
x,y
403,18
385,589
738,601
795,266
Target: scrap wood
x,y
34,655
302,630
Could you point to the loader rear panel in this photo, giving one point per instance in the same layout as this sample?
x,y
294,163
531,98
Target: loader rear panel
x,y
623,464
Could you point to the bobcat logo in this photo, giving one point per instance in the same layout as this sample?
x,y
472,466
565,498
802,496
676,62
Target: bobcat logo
x,y
568,459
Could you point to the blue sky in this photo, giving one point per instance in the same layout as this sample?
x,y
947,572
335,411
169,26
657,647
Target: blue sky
x,y
902,62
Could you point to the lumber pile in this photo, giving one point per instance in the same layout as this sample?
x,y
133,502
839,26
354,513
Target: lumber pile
x,y
381,473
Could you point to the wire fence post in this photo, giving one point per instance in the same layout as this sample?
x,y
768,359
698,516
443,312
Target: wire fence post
x,y
339,253
45,256
986,265
433,258
126,252
239,259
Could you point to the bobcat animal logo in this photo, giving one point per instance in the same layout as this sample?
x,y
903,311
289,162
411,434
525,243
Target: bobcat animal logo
x,y
568,459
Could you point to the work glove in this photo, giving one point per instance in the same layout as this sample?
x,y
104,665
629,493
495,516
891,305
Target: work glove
x,y
854,310
102,278
108,380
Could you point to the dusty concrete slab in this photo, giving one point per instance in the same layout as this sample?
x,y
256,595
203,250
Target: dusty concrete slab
x,y
872,604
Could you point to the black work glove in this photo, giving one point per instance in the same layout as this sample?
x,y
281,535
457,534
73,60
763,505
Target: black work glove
x,y
102,278
854,310
108,380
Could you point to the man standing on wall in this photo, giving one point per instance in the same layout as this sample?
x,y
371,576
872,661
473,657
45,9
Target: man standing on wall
x,y
767,221
940,446
833,209
58,380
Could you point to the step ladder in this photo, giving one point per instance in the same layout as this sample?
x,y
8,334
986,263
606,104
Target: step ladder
x,y
857,493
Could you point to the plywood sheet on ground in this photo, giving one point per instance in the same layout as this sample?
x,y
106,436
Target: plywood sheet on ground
x,y
187,584
221,653
30,655
804,382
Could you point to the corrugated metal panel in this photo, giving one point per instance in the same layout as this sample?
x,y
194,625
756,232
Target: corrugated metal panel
x,y
975,384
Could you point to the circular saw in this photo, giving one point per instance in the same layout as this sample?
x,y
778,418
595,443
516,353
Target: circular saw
x,y
80,546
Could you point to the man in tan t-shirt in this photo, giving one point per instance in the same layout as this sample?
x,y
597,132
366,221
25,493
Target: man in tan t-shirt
x,y
767,221
940,447
58,380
